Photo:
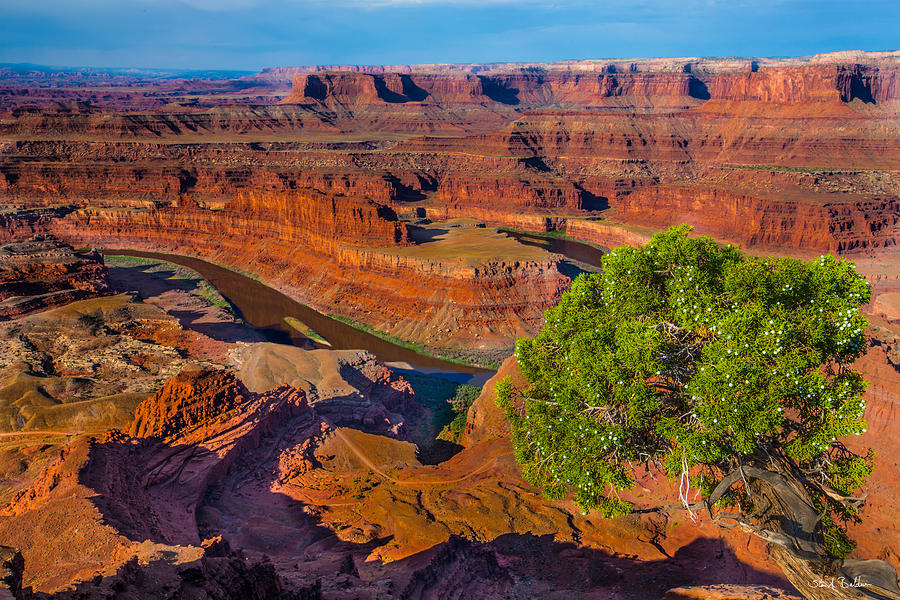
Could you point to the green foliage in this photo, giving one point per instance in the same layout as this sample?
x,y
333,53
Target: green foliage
x,y
837,542
464,397
454,428
846,472
693,354
211,295
461,401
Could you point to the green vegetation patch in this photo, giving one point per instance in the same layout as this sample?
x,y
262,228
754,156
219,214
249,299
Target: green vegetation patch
x,y
304,329
546,234
448,403
459,405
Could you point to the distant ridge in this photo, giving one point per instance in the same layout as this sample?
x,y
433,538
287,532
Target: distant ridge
x,y
724,64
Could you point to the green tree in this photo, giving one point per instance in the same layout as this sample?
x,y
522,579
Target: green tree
x,y
459,405
733,373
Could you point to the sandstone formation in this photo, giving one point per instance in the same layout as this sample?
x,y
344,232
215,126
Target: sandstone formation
x,y
185,401
547,146
728,592
349,387
409,292
240,466
313,194
148,489
44,272
546,85
838,227
83,366
259,490
874,536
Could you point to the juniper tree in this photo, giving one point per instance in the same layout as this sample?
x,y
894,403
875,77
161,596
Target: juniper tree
x,y
732,373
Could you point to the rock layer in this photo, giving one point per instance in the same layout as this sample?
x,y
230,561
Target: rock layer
x,y
533,139
318,260
782,84
839,226
44,272
349,387
264,471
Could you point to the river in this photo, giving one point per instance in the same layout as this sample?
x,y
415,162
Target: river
x,y
265,309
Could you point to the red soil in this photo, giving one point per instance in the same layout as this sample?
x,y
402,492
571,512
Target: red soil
x,y
265,472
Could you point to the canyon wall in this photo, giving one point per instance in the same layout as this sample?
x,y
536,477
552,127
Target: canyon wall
x,y
314,194
543,87
312,249
532,89
604,233
343,197
511,193
314,220
42,272
317,222
582,144
41,172
790,85
837,227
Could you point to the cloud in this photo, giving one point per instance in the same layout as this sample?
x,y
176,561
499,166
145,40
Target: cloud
x,y
610,6
276,6
250,34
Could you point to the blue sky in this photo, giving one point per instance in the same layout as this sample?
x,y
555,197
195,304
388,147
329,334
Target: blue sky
x,y
251,34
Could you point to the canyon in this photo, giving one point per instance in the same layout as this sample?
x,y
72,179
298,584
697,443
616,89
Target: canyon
x,y
779,155
154,444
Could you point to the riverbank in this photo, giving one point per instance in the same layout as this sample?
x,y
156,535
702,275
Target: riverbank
x,y
192,279
264,308
487,359
185,295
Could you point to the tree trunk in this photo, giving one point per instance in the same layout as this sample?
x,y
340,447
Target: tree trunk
x,y
790,522
826,579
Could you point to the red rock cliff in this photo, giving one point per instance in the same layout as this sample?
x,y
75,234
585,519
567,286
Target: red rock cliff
x,y
821,83
357,88
43,272
839,226
510,192
186,401
314,253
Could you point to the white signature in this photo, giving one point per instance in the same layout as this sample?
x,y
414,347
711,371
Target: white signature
x,y
837,582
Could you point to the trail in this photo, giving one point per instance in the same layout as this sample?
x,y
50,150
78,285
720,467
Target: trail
x,y
12,437
404,482
39,432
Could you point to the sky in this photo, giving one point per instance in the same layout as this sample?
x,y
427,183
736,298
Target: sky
x,y
252,34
